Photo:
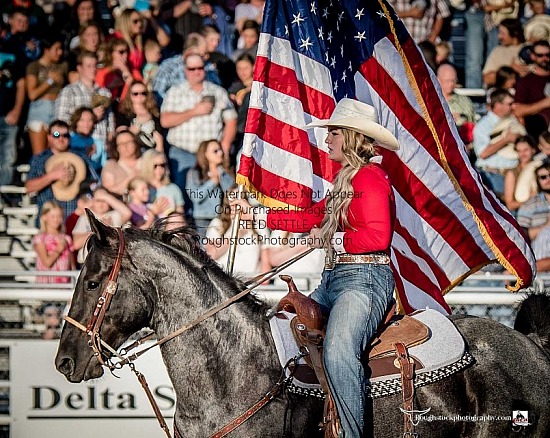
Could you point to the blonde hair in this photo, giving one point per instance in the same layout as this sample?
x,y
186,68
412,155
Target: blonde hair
x,y
46,208
358,149
148,166
133,184
123,24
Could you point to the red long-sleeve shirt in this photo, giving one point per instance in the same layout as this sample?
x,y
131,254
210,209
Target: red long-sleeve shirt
x,y
371,213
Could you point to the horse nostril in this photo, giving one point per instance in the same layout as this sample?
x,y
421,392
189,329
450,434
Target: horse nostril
x,y
65,366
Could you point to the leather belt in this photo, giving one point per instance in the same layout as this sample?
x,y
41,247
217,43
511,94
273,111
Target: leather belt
x,y
376,259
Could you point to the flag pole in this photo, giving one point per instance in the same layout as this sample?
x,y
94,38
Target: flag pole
x,y
234,232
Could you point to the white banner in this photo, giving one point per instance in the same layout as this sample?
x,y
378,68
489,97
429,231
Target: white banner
x,y
44,404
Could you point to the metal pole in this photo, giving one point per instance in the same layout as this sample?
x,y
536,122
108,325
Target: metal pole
x,y
234,232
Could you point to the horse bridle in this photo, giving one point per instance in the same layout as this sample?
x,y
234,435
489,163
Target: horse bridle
x,y
103,304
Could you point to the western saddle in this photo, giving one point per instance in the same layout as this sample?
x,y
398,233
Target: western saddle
x,y
387,352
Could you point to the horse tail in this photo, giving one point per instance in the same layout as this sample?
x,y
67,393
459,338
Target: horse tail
x,y
532,320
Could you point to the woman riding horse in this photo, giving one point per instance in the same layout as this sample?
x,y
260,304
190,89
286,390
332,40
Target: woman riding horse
x,y
356,225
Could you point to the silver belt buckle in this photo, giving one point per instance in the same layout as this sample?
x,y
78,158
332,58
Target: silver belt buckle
x,y
330,262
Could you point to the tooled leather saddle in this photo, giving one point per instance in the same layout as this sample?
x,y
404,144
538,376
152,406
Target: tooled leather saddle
x,y
387,351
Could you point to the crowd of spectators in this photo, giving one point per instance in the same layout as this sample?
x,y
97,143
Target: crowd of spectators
x,y
147,101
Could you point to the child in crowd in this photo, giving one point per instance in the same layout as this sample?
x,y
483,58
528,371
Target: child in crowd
x,y
152,52
52,245
443,52
52,321
82,126
144,214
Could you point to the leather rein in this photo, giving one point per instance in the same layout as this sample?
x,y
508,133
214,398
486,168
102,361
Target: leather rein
x,y
97,344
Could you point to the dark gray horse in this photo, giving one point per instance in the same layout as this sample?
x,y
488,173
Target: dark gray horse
x,y
227,363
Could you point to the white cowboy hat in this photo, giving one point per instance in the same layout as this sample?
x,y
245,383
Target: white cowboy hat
x,y
360,117
67,190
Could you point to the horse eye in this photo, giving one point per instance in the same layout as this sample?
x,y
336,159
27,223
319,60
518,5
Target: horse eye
x,y
92,285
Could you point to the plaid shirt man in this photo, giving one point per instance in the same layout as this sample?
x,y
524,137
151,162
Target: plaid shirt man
x,y
76,95
38,169
190,134
421,28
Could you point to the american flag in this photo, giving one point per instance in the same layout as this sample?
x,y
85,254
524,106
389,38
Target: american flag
x,y
312,54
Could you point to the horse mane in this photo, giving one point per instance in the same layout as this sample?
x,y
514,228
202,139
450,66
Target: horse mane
x,y
184,241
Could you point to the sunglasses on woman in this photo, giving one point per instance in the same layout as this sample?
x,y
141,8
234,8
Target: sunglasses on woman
x,y
139,93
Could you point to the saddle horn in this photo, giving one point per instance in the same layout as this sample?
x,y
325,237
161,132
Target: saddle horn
x,y
307,310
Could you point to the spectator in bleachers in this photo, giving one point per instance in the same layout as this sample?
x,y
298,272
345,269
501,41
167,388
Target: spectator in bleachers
x,y
58,180
131,26
82,127
108,209
37,18
194,111
423,23
511,39
153,54
538,26
207,183
139,113
224,65
520,182
81,93
505,79
172,70
155,172
250,35
493,135
248,10
44,80
117,74
83,202
443,53
144,214
52,321
496,11
12,99
239,93
533,93
52,246
83,11
534,215
89,40
185,17
461,106
18,40
125,163
544,147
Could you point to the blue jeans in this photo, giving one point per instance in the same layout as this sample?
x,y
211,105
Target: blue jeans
x,y
357,296
475,45
180,162
494,181
8,151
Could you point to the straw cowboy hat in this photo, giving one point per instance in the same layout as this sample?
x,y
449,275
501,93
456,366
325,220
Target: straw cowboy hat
x,y
67,189
360,117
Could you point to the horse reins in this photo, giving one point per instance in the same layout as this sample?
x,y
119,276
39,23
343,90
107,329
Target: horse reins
x,y
96,343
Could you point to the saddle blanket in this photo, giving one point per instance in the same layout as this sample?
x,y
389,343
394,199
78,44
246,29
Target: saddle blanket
x,y
441,355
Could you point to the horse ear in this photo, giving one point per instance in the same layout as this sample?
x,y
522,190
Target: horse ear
x,y
105,234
